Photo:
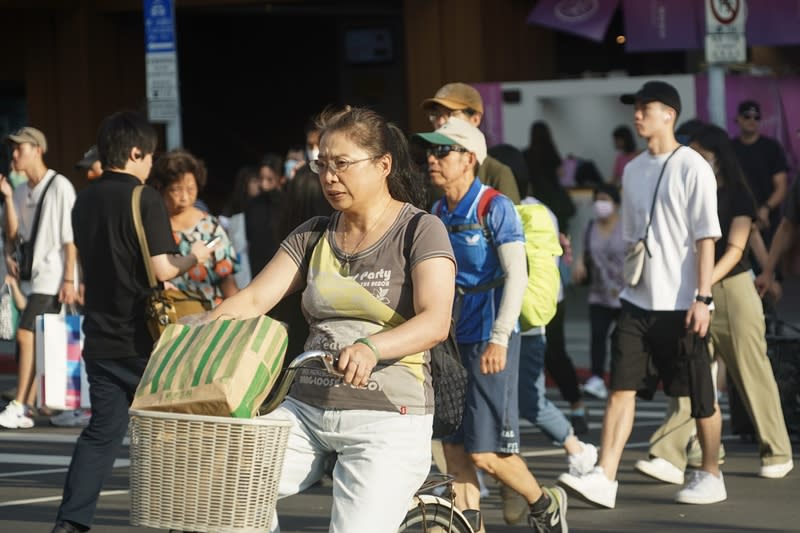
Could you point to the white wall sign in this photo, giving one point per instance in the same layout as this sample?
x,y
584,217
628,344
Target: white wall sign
x,y
725,37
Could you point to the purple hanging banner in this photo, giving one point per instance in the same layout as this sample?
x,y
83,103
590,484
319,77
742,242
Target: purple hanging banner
x,y
492,122
773,22
655,25
585,18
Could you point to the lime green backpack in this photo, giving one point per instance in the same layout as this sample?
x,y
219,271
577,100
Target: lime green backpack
x,y
544,281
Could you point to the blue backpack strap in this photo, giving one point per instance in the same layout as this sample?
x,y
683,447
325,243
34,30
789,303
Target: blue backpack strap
x,y
484,202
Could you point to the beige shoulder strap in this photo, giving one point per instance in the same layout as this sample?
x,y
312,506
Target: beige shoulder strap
x,y
136,210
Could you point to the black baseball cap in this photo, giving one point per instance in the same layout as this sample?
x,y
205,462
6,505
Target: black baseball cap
x,y
655,91
88,159
749,106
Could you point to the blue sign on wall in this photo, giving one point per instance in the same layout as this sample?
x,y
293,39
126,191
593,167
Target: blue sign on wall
x,y
159,26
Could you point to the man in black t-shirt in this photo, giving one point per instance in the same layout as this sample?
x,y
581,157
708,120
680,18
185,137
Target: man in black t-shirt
x,y
117,344
785,237
764,164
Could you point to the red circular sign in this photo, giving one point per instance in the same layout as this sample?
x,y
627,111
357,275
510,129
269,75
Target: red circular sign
x,y
725,11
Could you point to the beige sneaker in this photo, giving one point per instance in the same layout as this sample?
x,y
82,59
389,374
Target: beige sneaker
x,y
515,508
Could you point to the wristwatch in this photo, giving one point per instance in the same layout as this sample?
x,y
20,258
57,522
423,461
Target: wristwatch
x,y
704,299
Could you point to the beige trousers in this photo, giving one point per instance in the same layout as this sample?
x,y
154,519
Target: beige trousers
x,y
738,338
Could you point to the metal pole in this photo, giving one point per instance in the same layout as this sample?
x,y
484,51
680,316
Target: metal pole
x,y
716,95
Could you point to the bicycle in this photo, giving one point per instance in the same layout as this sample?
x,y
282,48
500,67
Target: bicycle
x,y
427,512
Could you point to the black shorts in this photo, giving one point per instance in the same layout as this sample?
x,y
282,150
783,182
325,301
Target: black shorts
x,y
38,304
648,347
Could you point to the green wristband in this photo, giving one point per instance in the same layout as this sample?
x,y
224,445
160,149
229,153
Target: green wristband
x,y
368,344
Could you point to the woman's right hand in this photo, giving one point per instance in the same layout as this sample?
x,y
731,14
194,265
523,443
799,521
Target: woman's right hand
x,y
5,187
201,251
578,272
356,363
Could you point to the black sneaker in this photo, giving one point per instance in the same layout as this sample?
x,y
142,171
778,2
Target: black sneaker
x,y
554,518
580,423
63,526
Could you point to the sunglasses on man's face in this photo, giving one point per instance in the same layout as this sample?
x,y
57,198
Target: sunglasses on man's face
x,y
751,116
440,151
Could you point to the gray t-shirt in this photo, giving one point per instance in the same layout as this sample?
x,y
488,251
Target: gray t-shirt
x,y
376,295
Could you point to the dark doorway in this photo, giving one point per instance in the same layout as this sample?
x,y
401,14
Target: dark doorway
x,y
251,78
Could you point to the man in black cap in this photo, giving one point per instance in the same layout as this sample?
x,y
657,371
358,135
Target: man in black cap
x,y
90,163
669,214
764,164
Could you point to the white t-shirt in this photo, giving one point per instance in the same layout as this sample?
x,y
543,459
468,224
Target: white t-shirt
x,y
685,212
55,229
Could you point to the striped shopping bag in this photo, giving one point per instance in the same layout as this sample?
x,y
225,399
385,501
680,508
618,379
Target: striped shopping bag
x,y
222,368
60,371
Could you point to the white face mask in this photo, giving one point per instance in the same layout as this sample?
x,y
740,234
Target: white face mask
x,y
312,153
603,209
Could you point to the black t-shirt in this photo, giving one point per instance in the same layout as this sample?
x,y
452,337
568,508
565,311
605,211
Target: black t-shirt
x,y
733,200
760,161
791,209
113,267
260,218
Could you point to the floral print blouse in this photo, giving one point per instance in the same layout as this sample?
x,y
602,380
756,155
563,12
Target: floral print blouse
x,y
207,277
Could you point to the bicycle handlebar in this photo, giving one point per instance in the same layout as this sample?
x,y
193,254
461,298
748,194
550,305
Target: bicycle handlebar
x,y
287,376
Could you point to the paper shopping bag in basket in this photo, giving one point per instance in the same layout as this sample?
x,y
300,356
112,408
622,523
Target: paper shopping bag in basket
x,y
222,368
60,371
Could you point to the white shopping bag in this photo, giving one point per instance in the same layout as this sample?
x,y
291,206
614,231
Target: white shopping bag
x,y
60,371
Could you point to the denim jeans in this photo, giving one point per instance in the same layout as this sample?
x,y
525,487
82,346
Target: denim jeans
x,y
533,404
382,458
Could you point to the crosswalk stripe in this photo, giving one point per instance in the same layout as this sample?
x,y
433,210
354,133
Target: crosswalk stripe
x,y
56,498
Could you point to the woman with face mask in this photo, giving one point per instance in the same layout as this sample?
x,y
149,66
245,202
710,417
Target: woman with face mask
x,y
601,266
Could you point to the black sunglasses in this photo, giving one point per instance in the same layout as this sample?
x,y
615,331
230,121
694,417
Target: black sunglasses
x,y
753,116
440,151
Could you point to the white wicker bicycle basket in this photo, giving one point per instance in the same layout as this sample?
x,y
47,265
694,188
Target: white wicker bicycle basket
x,y
204,473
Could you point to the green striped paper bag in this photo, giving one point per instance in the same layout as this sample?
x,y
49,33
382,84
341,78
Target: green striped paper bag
x,y
222,368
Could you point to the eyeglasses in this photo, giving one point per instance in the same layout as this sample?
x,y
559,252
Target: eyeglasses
x,y
446,113
751,116
321,166
440,151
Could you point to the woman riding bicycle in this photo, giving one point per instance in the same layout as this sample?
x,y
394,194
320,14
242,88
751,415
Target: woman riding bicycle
x,y
379,283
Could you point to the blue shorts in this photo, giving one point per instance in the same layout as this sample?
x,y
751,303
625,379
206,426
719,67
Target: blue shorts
x,y
491,415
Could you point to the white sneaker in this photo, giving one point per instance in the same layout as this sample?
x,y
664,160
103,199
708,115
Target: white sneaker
x,y
593,487
14,417
702,488
71,419
776,471
583,462
661,469
595,386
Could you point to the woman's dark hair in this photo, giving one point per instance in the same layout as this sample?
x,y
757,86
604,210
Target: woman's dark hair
x,y
625,134
302,200
120,133
688,129
542,154
239,196
515,160
272,161
716,140
171,167
609,189
374,134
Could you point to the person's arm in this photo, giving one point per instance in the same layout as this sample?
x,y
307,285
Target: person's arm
x,y
757,245
228,287
434,288
20,301
67,294
281,276
699,315
737,240
10,222
780,186
168,266
781,241
514,265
